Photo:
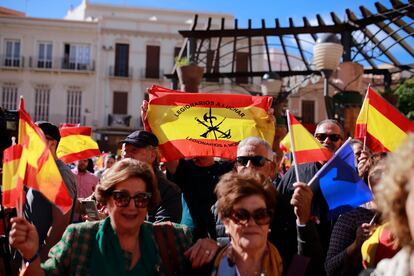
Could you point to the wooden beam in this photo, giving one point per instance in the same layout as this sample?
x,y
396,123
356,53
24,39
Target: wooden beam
x,y
355,44
308,25
352,17
282,42
299,45
365,12
234,46
269,63
397,21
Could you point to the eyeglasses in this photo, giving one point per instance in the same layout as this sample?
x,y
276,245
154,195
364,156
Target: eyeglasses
x,y
122,199
242,216
322,137
257,161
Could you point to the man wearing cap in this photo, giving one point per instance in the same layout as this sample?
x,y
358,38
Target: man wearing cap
x,y
142,145
48,219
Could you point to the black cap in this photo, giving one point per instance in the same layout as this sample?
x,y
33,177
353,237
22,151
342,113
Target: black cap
x,y
141,138
49,129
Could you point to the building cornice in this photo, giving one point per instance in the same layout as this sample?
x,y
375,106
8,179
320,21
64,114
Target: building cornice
x,y
151,11
49,23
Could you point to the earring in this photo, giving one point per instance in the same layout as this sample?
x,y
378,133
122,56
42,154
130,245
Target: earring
x,y
270,230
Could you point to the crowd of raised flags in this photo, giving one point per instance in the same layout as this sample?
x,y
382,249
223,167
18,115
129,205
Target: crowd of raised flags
x,y
179,120
379,125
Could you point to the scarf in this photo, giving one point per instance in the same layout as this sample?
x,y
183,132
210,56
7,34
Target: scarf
x,y
271,262
108,258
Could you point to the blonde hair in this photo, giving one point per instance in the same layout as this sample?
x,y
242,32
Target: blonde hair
x,y
125,169
392,192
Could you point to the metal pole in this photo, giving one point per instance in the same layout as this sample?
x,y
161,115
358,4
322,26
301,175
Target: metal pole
x,y
328,100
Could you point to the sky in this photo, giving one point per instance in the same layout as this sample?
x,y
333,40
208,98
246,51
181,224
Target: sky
x,y
241,9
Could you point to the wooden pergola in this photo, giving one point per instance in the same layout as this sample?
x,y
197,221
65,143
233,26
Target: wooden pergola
x,y
372,39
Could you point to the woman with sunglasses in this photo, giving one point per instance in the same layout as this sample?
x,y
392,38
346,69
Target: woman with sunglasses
x,y
121,244
246,205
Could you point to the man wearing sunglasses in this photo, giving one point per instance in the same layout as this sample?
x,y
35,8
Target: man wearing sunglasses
x,y
331,135
143,146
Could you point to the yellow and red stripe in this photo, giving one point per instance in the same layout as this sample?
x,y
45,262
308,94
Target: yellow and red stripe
x,y
41,172
76,143
199,124
381,123
307,148
12,181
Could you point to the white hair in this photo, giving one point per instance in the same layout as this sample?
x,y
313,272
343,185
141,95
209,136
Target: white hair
x,y
255,141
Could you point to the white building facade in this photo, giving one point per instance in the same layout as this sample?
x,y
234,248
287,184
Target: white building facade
x,y
94,66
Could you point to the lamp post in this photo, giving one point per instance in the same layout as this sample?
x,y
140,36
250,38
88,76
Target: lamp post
x,y
270,86
326,57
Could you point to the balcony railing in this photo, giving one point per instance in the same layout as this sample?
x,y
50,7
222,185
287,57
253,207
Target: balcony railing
x,y
74,65
151,74
119,120
120,73
58,64
12,62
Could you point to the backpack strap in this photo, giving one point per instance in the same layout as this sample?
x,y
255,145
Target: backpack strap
x,y
162,245
172,246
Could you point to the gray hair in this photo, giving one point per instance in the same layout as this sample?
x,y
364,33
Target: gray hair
x,y
255,141
331,121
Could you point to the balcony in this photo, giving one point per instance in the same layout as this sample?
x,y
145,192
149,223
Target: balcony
x,y
74,65
12,62
151,73
120,73
119,120
43,64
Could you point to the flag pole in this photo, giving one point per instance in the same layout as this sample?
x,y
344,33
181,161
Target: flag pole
x,y
366,118
329,162
292,145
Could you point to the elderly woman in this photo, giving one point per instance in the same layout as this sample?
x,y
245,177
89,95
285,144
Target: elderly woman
x,y
395,199
121,244
246,205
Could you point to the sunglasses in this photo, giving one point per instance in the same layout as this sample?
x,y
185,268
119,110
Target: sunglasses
x,y
322,137
257,161
260,216
122,199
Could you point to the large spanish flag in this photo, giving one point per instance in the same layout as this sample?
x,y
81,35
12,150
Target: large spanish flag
x,y
200,124
12,179
76,143
306,148
382,124
42,173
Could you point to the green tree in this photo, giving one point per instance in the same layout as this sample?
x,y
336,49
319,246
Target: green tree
x,y
405,93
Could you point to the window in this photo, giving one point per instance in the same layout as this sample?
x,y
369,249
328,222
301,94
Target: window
x,y
9,97
44,58
42,99
12,53
120,103
308,112
121,60
242,63
77,57
152,69
74,104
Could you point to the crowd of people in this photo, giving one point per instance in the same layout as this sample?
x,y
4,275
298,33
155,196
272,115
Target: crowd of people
x,y
208,216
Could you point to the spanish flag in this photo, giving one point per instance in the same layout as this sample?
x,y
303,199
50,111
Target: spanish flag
x,y
383,126
76,143
42,173
12,179
284,144
199,124
305,147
